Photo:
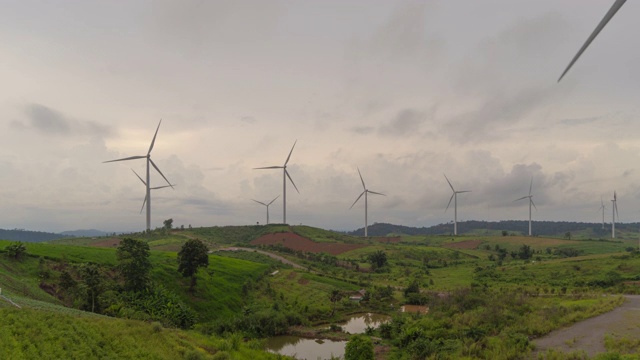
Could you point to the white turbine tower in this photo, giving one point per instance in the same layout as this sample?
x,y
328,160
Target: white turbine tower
x,y
454,197
614,213
153,188
366,203
602,207
285,175
612,11
147,183
267,205
530,203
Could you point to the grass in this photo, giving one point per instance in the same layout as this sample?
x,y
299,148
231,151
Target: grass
x,y
37,334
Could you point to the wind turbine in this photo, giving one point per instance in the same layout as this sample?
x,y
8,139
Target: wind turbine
x,y
153,188
530,203
285,175
366,204
267,205
602,207
147,183
614,211
612,11
454,197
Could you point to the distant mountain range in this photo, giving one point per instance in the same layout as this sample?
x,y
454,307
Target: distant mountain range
x,y
518,227
40,236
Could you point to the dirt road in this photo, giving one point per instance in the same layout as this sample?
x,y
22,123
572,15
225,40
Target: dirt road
x,y
271,255
588,335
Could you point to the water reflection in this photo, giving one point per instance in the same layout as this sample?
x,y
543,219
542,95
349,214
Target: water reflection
x,y
359,323
306,349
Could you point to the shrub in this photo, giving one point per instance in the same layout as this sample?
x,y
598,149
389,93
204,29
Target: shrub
x,y
359,347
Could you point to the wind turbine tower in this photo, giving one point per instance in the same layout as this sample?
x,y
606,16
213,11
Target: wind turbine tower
x,y
602,207
530,203
454,197
267,205
285,175
148,182
153,188
614,213
366,205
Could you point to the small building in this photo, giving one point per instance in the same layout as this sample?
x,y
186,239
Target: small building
x,y
358,295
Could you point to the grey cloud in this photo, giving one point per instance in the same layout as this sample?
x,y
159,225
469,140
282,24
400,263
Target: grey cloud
x,y
52,122
406,122
248,119
363,130
484,123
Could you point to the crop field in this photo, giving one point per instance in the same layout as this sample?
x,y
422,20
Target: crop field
x,y
296,242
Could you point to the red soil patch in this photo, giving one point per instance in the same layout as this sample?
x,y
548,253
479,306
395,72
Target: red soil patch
x,y
299,243
113,242
303,281
468,244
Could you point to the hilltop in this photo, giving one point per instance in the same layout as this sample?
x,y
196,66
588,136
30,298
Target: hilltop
x,y
512,227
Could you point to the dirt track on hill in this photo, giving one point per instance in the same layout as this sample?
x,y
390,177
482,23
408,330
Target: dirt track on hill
x,y
271,255
588,335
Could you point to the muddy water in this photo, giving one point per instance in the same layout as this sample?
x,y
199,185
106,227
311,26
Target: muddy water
x,y
312,349
305,349
359,323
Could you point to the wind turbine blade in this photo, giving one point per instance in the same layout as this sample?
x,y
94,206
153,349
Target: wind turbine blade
x,y
260,202
524,197
361,179
269,167
357,199
463,191
530,185
144,202
162,187
451,198
534,204
377,193
270,202
145,184
288,157
612,11
290,179
154,137
445,176
164,177
127,158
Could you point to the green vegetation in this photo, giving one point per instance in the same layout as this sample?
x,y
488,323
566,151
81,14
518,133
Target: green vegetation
x,y
488,295
192,257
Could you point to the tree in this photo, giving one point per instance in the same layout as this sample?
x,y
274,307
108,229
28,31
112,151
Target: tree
x,y
134,264
378,259
525,252
16,250
359,347
192,256
93,281
168,224
334,297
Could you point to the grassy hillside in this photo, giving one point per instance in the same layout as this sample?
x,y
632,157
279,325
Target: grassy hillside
x,y
47,334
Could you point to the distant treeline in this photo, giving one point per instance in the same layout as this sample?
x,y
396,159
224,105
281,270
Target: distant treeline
x,y
29,236
520,227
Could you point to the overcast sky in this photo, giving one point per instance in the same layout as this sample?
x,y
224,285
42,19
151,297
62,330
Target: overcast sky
x,y
405,90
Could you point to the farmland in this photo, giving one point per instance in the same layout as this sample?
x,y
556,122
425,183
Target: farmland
x,y
489,296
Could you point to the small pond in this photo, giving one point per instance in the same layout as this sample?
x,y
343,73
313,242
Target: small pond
x,y
312,349
358,323
305,349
